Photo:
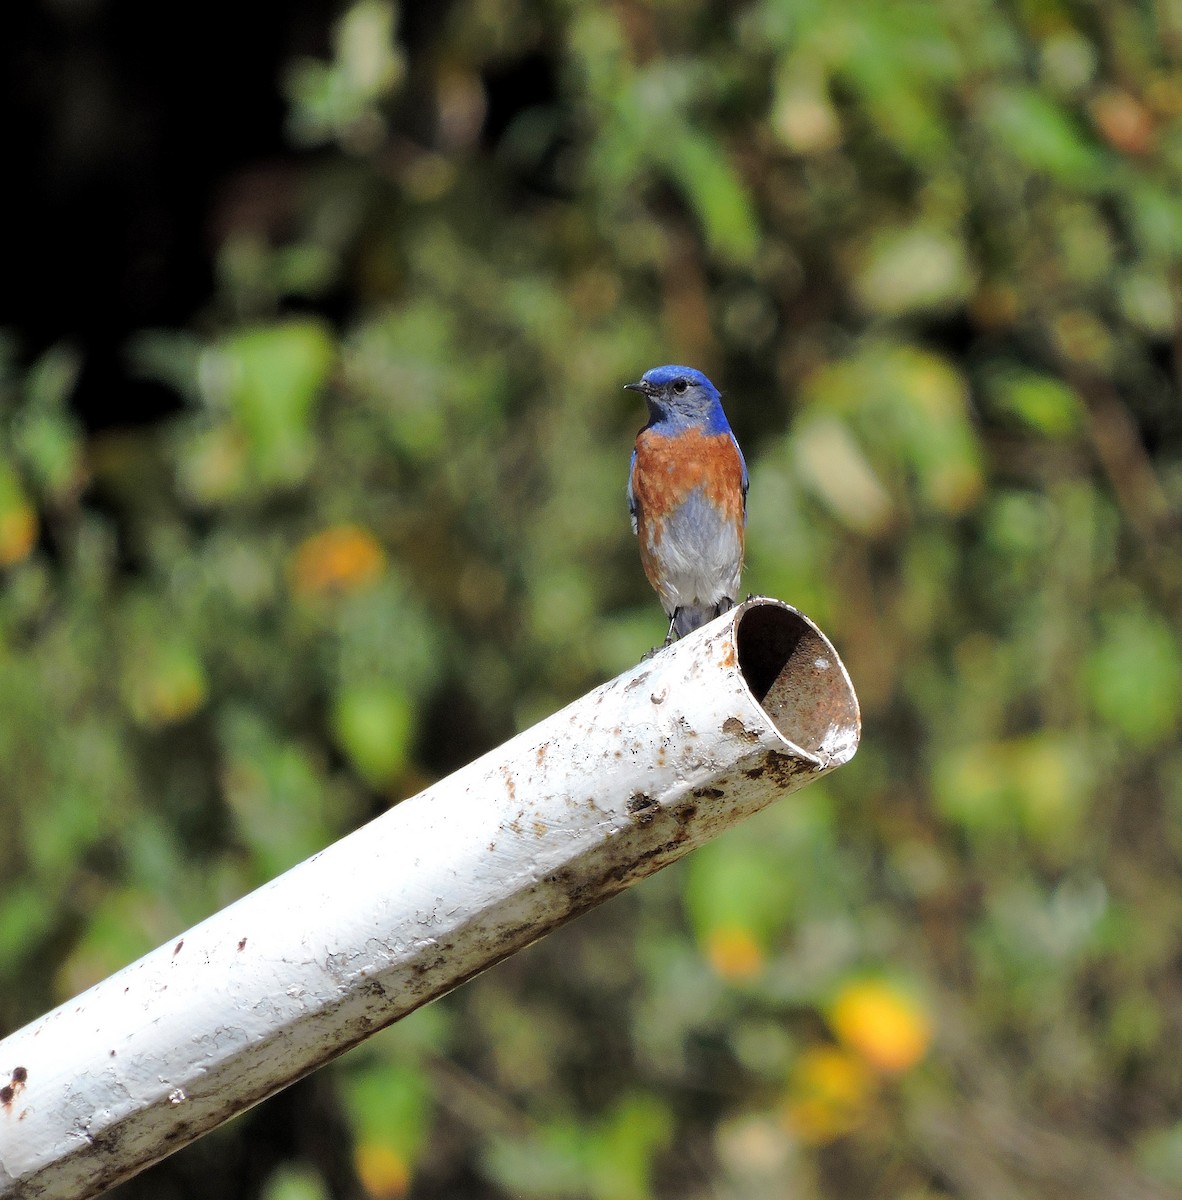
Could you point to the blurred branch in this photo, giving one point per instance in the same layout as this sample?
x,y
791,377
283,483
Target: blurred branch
x,y
988,1143
474,1102
1123,458
991,1152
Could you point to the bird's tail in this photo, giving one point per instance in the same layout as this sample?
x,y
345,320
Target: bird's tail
x,y
694,616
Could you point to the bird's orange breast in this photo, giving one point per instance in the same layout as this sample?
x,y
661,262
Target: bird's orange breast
x,y
669,468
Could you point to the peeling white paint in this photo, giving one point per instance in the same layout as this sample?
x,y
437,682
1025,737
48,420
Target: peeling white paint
x,y
610,789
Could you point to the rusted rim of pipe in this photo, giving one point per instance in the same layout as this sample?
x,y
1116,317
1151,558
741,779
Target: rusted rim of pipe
x,y
797,678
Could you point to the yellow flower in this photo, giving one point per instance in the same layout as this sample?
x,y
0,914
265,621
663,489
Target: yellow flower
x,y
733,952
829,1093
384,1173
341,558
883,1024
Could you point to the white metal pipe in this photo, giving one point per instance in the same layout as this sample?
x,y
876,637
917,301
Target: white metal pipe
x,y
566,814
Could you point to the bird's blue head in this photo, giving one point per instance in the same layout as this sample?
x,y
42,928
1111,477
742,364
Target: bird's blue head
x,y
681,396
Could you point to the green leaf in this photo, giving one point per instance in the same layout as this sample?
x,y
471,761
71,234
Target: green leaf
x,y
921,269
621,1151
295,1181
1040,402
897,59
341,99
1154,211
164,681
1159,1154
549,1164
46,436
834,467
26,916
273,376
276,789
913,407
715,193
373,724
761,876
1034,786
611,1160
1134,677
389,1104
1040,135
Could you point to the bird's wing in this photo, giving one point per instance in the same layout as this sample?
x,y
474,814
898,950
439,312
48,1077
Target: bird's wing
x,y
744,482
631,493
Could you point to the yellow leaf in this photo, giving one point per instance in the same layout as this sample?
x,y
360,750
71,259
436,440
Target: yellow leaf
x,y
880,1022
18,534
734,953
829,1093
342,558
384,1173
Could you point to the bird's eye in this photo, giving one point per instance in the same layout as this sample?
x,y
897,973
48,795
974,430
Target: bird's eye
x,y
681,386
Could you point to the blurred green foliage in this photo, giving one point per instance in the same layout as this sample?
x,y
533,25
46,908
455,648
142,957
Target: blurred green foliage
x,y
931,250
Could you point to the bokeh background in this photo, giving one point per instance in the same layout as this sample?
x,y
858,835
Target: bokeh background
x,y
312,463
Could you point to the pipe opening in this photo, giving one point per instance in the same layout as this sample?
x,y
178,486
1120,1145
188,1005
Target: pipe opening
x,y
798,679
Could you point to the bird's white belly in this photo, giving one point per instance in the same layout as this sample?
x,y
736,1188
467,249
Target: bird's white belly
x,y
699,555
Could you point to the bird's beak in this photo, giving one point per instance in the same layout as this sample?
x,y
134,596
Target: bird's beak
x,y
642,386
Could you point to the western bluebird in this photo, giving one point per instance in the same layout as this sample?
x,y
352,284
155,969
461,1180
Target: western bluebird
x,y
687,493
